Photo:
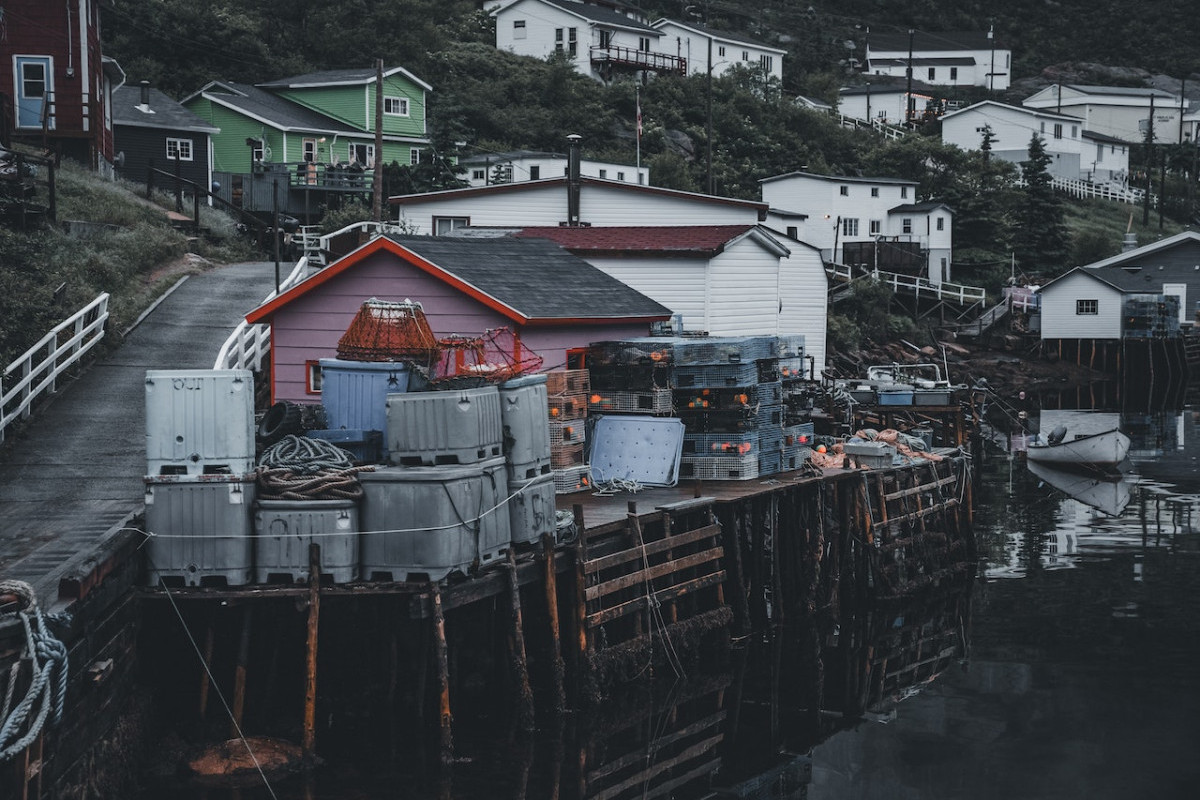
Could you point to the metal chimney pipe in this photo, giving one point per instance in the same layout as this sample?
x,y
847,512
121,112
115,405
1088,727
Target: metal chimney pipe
x,y
573,179
145,93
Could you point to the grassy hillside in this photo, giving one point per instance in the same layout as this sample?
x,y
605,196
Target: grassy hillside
x,y
134,260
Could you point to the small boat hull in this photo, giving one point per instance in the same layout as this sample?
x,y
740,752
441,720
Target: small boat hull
x,y
1109,493
1104,450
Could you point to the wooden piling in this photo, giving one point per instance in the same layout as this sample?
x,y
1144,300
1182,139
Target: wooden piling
x,y
559,699
581,647
443,668
516,645
239,675
309,742
207,655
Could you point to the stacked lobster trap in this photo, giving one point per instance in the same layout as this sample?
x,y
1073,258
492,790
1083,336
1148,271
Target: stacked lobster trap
x,y
730,393
567,410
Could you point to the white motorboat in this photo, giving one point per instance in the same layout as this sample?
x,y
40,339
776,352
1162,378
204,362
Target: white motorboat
x,y
1104,450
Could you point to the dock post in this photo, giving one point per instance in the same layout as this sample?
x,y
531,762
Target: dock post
x,y
516,647
556,669
581,647
207,655
310,666
239,675
443,667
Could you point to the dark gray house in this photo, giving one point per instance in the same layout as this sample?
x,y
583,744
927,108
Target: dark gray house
x,y
149,127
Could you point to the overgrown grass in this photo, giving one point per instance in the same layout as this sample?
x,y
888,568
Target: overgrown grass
x,y
125,260
1098,227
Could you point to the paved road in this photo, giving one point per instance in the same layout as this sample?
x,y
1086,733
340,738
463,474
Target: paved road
x,y
77,469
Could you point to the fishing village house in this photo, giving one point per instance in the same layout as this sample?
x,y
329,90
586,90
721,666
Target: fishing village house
x,y
886,100
1117,111
1075,153
705,48
55,82
309,140
531,165
941,59
868,222
151,129
552,301
599,39
791,272
1089,302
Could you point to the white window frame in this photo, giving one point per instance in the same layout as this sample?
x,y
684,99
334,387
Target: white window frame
x,y
414,156
368,150
874,191
308,150
519,31
844,190
941,223
183,149
721,51
875,227
479,174
906,225
850,226
443,225
400,103
903,192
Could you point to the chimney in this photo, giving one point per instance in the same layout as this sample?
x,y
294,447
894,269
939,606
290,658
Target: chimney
x,y
144,106
573,180
1130,242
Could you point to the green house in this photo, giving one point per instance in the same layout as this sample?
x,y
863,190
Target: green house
x,y
290,143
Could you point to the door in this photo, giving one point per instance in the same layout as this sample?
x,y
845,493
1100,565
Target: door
x,y
34,79
1180,291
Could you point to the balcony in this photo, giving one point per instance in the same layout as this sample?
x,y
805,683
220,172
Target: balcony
x,y
613,56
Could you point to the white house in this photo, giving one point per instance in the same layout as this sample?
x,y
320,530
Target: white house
x,y
529,165
942,59
599,38
547,202
1117,111
692,42
886,100
728,280
1088,302
874,222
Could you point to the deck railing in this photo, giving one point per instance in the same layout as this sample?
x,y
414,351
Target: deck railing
x,y
1082,189
645,59
249,344
37,370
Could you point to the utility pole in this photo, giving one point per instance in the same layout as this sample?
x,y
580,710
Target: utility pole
x,y
1182,106
1162,187
908,100
868,102
708,111
992,70
1149,162
377,195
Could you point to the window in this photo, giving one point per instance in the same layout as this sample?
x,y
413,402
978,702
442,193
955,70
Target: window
x,y
257,150
906,225
932,73
620,176
518,29
850,227
362,154
874,191
793,232
644,44
603,173
310,150
312,377
558,39
876,227
573,41
954,73
1087,307
180,149
605,39
903,192
941,223
1099,152
844,191
414,156
33,79
721,51
745,55
1043,127
1074,131
395,106
1058,130
766,62
535,172
443,225
641,178
478,174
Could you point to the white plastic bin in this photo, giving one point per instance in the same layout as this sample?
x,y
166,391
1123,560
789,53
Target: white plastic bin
x,y
457,426
285,528
199,421
531,508
202,529
431,521
524,411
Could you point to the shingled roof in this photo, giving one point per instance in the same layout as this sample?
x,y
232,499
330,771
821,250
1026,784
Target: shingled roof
x,y
688,240
602,16
925,41
163,112
271,108
530,281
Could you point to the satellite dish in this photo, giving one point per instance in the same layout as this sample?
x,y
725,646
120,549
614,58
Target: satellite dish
x,y
119,161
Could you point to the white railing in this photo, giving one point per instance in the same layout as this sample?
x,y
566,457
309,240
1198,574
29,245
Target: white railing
x,y
369,227
309,239
877,125
249,344
86,328
839,272
1022,299
1081,189
923,287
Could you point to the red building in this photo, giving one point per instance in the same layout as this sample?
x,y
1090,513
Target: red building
x,y
55,84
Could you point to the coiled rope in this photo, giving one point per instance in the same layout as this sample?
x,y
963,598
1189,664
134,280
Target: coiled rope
x,y
47,657
300,468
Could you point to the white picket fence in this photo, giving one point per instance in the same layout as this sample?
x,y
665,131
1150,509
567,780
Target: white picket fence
x,y
1083,189
912,285
877,125
37,370
249,344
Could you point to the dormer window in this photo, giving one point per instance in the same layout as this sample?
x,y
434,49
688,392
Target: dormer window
x,y
395,106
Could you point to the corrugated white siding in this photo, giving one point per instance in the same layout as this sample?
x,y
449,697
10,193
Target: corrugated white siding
x,y
743,290
803,291
598,205
677,283
1059,320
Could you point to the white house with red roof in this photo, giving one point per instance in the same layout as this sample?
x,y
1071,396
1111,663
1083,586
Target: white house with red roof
x,y
548,202
727,280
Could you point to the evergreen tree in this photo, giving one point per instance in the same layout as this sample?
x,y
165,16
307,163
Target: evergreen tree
x,y
1040,236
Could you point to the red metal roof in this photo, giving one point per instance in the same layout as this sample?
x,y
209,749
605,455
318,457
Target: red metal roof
x,y
665,240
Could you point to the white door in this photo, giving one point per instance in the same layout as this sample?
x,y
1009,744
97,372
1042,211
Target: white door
x,y
1180,291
